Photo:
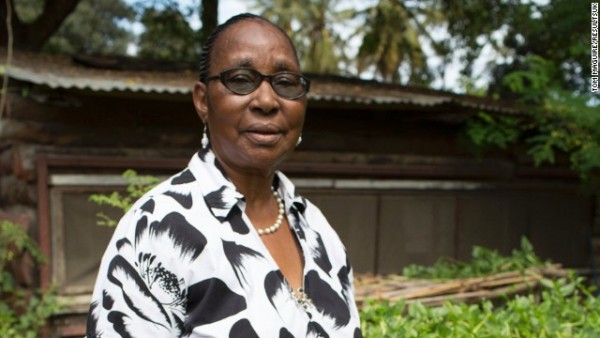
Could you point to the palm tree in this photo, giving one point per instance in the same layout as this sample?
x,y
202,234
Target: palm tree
x,y
310,25
392,40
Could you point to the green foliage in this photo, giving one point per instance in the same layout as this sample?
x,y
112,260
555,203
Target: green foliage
x,y
569,124
561,116
392,38
137,186
532,83
22,313
28,10
487,131
168,36
310,24
567,308
555,30
15,240
556,121
564,307
95,27
483,262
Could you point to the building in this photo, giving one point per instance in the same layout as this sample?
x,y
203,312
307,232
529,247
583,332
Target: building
x,y
389,165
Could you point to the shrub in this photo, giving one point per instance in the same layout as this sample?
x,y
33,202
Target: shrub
x,y
23,312
137,186
566,307
483,262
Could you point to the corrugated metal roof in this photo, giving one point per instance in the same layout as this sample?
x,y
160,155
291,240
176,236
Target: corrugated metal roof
x,y
64,72
104,83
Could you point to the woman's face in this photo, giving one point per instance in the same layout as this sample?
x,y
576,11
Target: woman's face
x,y
252,132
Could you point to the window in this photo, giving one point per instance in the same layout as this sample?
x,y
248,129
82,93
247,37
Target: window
x,y
78,242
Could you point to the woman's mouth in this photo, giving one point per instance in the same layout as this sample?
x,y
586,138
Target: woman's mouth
x,y
264,135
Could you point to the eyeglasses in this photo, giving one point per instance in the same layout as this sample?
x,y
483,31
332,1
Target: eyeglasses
x,y
243,81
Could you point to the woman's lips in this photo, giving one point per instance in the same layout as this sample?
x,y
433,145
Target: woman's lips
x,y
264,134
263,139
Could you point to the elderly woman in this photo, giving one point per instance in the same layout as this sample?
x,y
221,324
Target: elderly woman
x,y
227,247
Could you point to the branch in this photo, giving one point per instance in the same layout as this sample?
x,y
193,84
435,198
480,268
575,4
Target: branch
x,y
422,29
6,9
9,50
32,36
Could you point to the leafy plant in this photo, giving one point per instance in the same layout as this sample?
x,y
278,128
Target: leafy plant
x,y
556,121
486,131
137,186
565,307
483,262
22,313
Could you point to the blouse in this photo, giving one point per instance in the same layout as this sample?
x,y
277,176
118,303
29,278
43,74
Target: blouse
x,y
185,261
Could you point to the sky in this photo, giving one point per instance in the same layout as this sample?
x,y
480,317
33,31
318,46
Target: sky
x,y
229,8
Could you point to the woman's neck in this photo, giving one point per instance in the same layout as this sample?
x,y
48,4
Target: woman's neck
x,y
254,184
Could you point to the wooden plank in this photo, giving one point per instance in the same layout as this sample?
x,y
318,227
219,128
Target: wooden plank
x,y
436,292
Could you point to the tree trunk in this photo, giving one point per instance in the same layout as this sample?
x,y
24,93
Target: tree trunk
x,y
32,36
209,16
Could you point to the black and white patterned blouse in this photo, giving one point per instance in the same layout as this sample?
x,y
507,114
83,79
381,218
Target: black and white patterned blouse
x,y
185,261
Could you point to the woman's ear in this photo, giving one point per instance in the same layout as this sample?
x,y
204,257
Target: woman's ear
x,y
199,98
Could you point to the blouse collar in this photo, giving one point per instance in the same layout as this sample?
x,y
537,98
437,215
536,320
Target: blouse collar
x,y
221,194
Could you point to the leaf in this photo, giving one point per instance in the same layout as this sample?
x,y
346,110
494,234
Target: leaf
x,y
137,186
22,314
567,289
547,283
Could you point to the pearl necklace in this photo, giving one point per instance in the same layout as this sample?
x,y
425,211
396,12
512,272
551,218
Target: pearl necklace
x,y
279,220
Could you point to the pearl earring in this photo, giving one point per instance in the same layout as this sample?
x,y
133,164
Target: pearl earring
x,y
204,140
299,140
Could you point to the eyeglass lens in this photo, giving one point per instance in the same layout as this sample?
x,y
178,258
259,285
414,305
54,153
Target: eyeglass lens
x,y
246,80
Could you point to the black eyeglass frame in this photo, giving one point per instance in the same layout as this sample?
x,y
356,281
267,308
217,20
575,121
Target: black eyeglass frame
x,y
305,82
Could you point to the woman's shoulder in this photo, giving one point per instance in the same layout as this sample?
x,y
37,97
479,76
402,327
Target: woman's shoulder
x,y
178,188
173,198
167,208
315,216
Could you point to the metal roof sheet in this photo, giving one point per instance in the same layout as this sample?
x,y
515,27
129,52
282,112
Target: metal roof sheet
x,y
64,72
104,83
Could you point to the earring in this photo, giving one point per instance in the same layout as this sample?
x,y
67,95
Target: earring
x,y
299,140
204,140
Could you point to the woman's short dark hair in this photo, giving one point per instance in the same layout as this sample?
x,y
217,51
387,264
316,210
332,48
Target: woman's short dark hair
x,y
207,48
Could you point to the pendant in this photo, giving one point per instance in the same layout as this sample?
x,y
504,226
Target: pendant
x,y
301,298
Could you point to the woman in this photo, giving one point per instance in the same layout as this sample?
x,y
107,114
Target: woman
x,y
227,248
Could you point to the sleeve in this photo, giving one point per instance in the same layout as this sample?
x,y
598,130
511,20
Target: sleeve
x,y
140,290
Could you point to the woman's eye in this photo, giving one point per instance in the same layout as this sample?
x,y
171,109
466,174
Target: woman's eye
x,y
286,81
241,78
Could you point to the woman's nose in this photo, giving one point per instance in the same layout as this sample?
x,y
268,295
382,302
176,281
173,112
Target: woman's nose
x,y
266,100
